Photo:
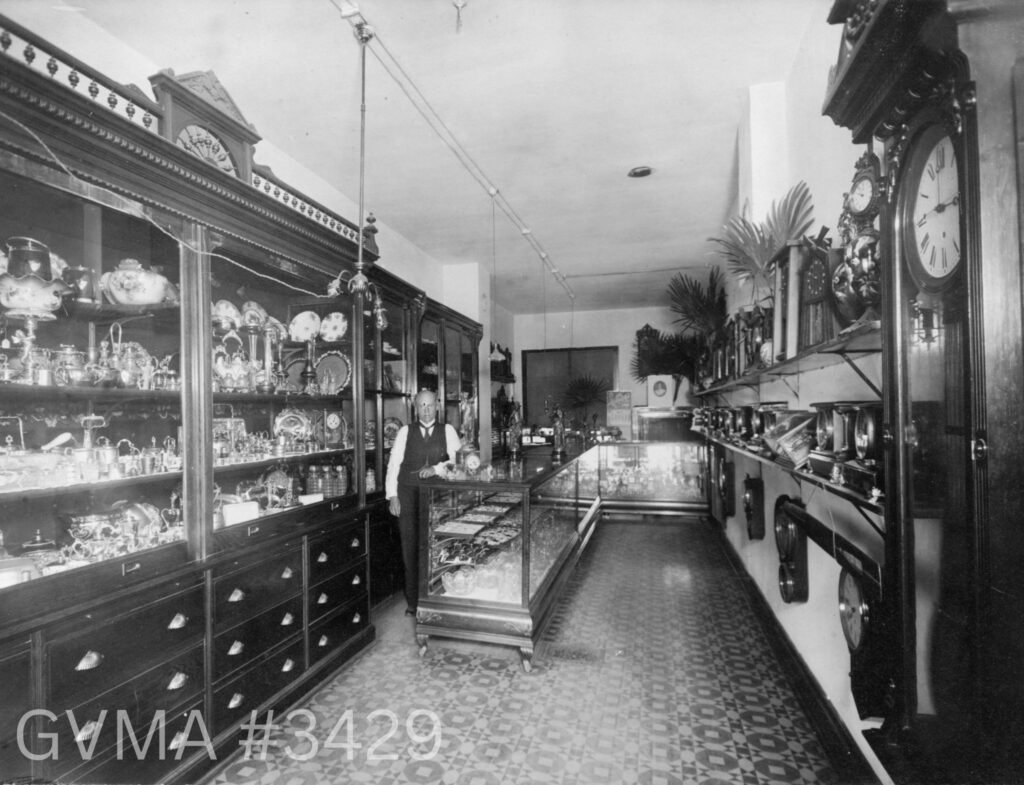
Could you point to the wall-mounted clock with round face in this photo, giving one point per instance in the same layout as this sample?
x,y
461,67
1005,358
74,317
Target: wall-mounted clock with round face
x,y
204,144
863,195
930,211
854,611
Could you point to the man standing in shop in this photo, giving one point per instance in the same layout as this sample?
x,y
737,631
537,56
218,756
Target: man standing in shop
x,y
418,452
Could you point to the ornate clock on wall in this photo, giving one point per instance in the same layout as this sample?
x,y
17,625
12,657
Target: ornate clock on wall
x,y
855,285
817,323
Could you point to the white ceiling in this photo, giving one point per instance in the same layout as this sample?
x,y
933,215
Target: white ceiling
x,y
554,100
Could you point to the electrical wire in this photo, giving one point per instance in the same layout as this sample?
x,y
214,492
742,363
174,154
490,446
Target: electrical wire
x,y
133,208
423,106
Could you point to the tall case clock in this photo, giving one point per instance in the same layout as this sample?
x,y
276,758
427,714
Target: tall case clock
x,y
927,82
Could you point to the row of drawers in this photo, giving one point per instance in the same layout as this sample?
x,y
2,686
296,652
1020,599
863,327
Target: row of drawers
x,y
100,650
186,725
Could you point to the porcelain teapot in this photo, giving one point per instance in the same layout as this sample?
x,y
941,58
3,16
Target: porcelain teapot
x,y
132,284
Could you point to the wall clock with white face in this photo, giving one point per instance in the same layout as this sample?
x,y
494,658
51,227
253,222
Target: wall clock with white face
x,y
930,214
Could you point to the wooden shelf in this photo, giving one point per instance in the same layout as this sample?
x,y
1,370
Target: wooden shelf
x,y
863,339
88,487
802,475
18,392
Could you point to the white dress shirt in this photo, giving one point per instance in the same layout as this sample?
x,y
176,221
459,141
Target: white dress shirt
x,y
452,443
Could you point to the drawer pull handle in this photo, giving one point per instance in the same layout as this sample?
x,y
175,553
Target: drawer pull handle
x,y
288,620
288,665
356,580
91,659
335,505
179,737
236,596
286,574
87,731
130,568
322,642
355,542
236,649
356,619
322,599
236,700
252,530
177,681
322,558
179,621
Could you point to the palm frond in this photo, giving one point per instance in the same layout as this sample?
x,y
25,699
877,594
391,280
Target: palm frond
x,y
582,391
789,219
699,309
746,247
657,353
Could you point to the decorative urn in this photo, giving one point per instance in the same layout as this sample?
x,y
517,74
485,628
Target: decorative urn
x,y
132,284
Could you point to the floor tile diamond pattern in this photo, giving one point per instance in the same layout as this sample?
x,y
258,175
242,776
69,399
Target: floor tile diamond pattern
x,y
653,671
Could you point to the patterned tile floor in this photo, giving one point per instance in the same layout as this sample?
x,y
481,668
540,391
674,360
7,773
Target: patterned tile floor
x,y
653,671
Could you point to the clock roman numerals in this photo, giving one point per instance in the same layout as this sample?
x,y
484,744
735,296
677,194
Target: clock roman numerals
x,y
932,212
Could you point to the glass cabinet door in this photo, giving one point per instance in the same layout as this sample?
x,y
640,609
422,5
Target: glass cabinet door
x,y
452,385
284,422
468,399
427,356
91,384
396,400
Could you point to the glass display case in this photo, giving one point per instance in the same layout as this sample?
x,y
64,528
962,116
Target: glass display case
x,y
668,476
497,551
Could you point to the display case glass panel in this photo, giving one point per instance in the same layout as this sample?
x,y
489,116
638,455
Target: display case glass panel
x,y
651,471
485,536
284,419
554,516
91,384
475,536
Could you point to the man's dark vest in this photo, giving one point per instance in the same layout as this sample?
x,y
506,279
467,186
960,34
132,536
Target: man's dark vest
x,y
420,452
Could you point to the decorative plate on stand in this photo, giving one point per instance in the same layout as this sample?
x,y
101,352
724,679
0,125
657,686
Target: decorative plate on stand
x,y
333,372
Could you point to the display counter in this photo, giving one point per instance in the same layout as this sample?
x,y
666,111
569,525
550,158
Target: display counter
x,y
497,550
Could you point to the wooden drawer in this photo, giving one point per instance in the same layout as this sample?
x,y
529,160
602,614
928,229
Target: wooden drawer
x,y
259,582
332,632
337,591
331,551
15,700
247,692
95,723
242,644
151,767
90,661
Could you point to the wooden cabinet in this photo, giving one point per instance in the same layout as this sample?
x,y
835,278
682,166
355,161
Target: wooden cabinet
x,y
15,702
227,401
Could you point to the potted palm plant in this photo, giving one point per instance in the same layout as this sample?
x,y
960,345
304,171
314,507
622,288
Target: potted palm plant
x,y
748,248
581,393
702,315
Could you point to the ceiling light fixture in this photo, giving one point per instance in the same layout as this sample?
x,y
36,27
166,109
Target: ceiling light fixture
x,y
639,171
358,282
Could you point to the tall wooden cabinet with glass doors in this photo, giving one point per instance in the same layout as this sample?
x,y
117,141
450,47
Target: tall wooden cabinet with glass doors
x,y
196,408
